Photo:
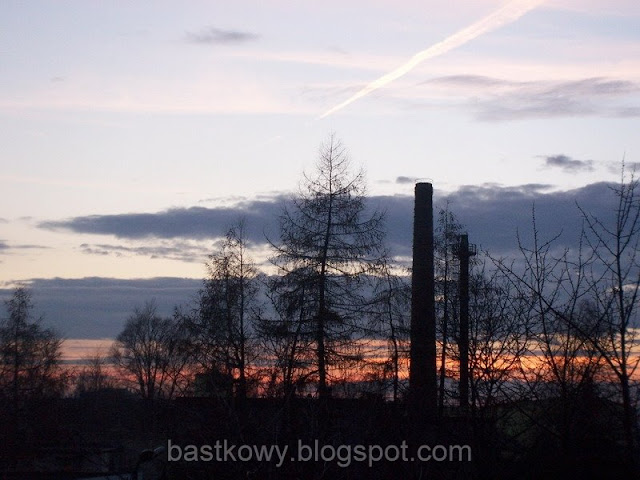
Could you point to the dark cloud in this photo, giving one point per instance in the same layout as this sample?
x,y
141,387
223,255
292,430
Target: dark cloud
x,y
194,222
405,180
30,247
98,307
630,168
568,164
5,247
503,100
591,96
495,215
173,250
492,214
218,36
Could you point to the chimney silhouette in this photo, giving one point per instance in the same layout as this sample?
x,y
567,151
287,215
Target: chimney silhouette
x,y
465,251
422,370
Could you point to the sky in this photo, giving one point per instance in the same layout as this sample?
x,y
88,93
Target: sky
x,y
134,133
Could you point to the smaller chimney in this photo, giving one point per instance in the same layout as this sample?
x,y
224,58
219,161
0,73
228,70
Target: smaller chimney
x,y
465,251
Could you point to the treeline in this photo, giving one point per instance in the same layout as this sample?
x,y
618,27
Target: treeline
x,y
552,344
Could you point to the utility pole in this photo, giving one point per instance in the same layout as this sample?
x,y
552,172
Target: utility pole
x,y
465,251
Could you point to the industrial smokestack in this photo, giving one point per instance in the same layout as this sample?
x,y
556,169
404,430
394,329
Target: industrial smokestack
x,y
465,251
422,372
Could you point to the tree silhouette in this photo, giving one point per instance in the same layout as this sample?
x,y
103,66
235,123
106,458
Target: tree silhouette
x,y
328,242
228,305
615,244
29,353
153,353
582,315
446,238
390,312
30,375
94,376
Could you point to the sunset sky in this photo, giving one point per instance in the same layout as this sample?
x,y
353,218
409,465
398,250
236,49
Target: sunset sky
x,y
134,133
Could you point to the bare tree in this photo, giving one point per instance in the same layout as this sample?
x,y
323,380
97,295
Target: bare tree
x,y
227,310
328,242
29,353
391,306
288,336
583,310
446,239
499,339
94,376
153,353
30,376
615,285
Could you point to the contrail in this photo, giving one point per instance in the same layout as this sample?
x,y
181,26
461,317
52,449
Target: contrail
x,y
503,16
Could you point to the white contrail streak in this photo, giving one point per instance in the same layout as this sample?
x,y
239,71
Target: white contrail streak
x,y
503,16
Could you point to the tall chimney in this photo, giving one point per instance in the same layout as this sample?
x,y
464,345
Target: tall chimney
x,y
465,250
422,372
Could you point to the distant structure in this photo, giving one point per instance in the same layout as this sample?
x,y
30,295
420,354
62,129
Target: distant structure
x,y
465,251
422,370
